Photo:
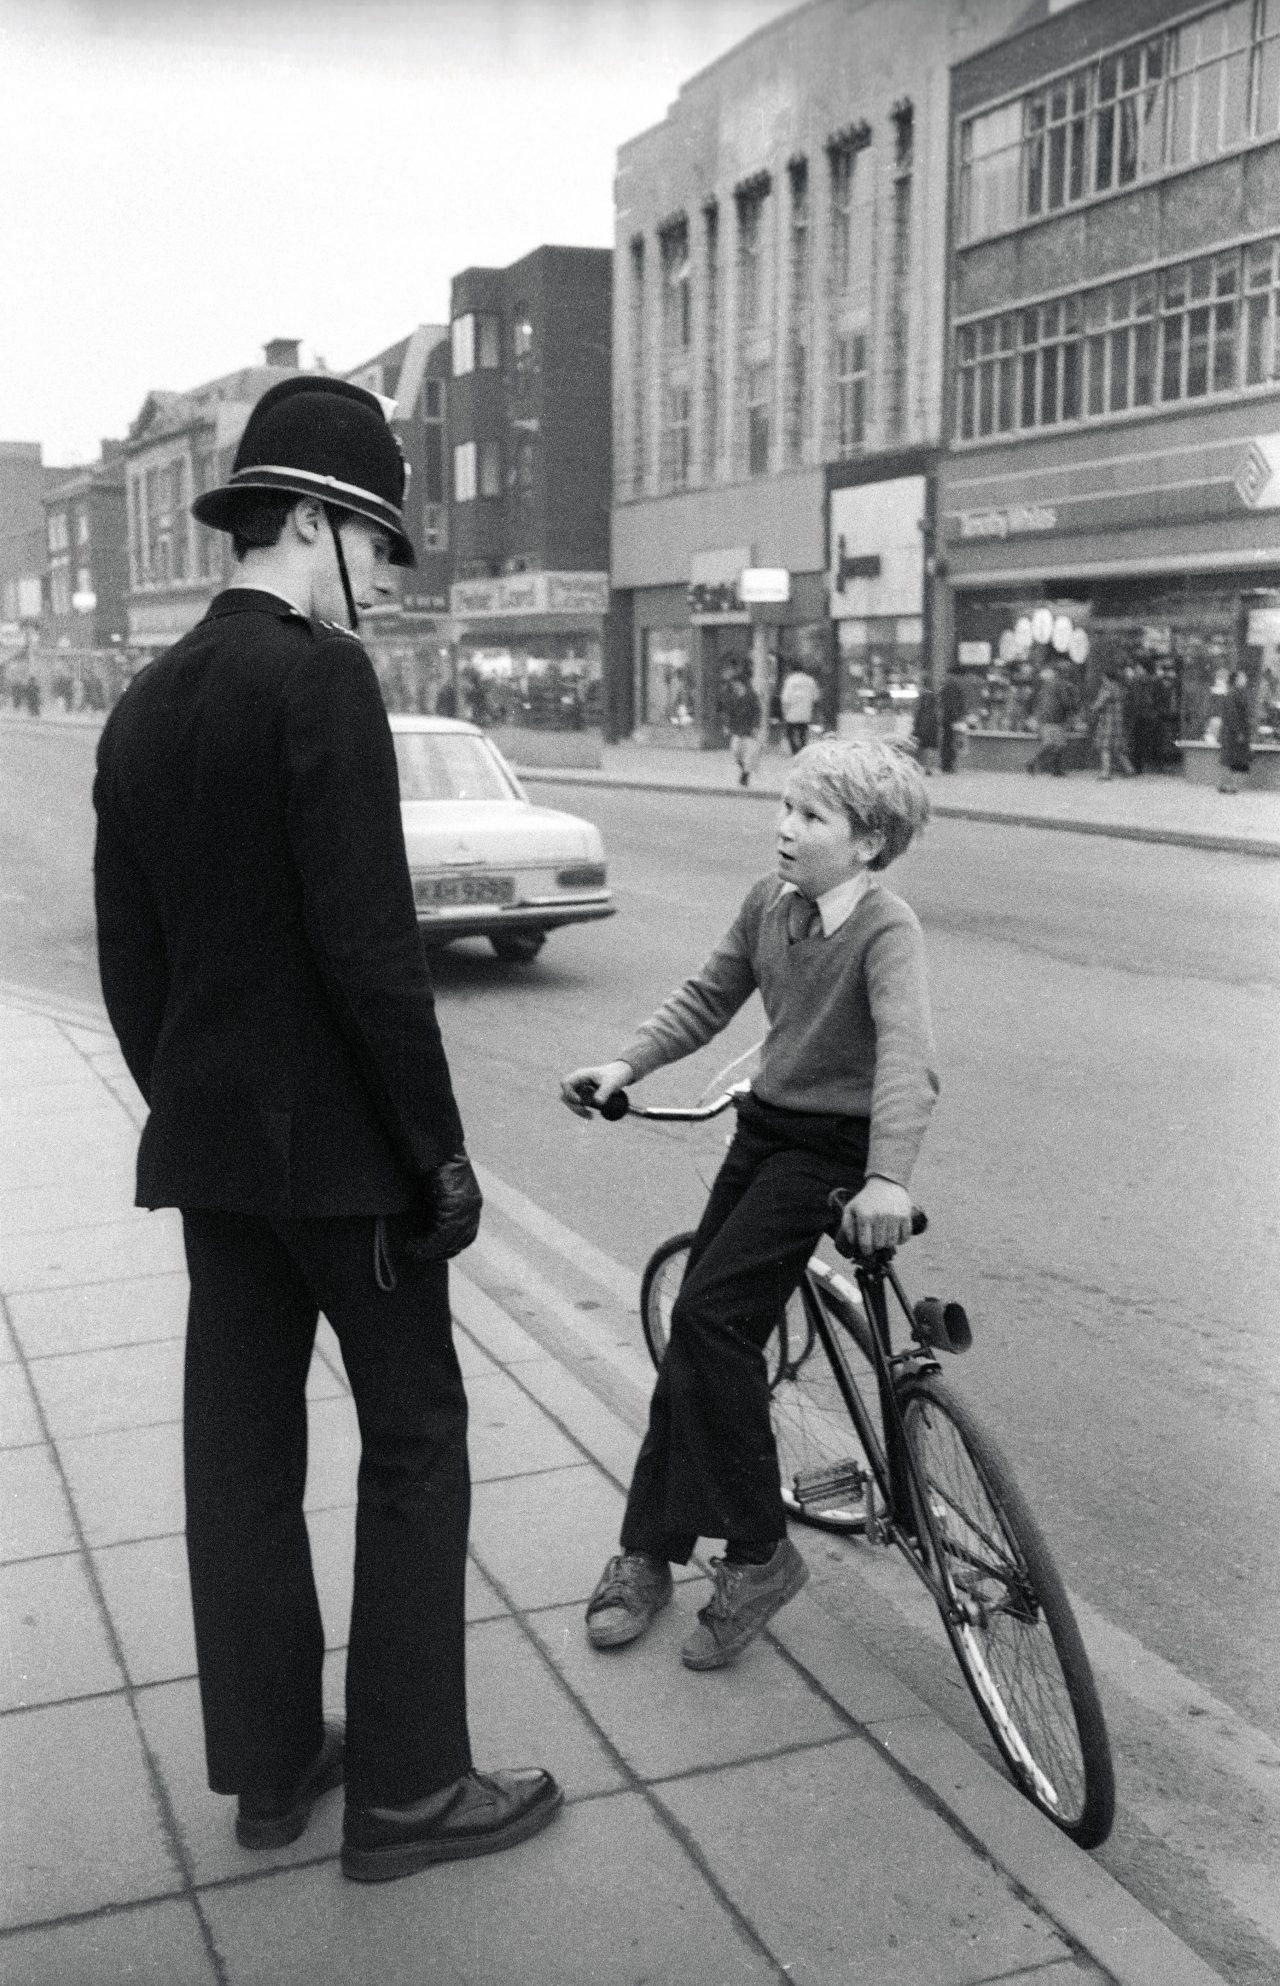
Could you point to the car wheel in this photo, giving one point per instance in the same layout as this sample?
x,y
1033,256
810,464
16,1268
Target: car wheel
x,y
519,947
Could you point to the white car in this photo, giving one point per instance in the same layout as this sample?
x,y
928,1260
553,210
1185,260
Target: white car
x,y
485,861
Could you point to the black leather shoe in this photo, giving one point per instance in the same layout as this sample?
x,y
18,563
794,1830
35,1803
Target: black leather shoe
x,y
484,1812
276,1816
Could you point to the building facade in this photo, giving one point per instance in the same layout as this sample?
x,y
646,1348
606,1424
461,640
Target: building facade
x,y
778,351
529,442
86,537
180,445
409,639
24,479
1111,495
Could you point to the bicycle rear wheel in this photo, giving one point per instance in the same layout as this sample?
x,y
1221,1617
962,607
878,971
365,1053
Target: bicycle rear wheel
x,y
1010,1621
659,1288
820,1462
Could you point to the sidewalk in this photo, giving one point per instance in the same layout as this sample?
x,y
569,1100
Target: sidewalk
x,y
1157,807
801,1817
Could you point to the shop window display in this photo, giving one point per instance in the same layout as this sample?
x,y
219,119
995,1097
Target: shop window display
x,y
666,689
880,663
559,688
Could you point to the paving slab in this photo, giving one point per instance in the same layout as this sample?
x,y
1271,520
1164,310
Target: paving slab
x,y
19,1422
79,1824
143,1244
333,1453
132,1310
46,1096
99,1197
126,1484
170,1718
605,1897
876,1920
148,1598
55,1643
544,1539
611,1443
519,1714
509,1435
127,1386
154,1944
667,1719
34,1516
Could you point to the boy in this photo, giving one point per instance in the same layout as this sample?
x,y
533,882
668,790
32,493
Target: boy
x,y
842,1097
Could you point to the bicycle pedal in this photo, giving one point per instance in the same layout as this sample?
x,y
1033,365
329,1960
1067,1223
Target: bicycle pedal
x,y
813,1486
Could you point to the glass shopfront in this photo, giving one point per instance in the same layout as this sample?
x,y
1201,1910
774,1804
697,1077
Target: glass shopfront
x,y
543,682
879,666
667,694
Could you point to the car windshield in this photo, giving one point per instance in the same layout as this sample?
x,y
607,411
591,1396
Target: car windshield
x,y
444,765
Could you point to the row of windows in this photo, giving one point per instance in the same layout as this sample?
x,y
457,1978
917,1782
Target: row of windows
x,y
1176,99
477,469
476,342
60,588
1182,333
60,525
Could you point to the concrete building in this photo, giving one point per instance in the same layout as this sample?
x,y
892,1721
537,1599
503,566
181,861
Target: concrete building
x,y
530,450
86,536
1112,491
778,362
179,445
409,639
24,479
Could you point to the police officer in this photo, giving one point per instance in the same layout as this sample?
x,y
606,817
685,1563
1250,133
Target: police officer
x,y
263,970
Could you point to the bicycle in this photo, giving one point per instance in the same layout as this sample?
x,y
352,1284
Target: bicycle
x,y
870,1440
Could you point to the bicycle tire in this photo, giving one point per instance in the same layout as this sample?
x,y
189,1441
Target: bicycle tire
x,y
659,1287
1013,1631
812,1427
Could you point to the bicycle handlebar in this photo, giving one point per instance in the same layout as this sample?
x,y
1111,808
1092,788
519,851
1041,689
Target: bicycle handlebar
x,y
620,1105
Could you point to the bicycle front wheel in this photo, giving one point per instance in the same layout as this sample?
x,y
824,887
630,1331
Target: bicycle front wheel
x,y
1008,1616
820,1462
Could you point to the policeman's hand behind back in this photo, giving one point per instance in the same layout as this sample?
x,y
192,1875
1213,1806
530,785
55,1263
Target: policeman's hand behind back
x,y
586,1089
454,1213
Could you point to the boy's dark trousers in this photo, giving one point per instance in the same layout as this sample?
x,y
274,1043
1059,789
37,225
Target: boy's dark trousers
x,y
708,1466
256,1288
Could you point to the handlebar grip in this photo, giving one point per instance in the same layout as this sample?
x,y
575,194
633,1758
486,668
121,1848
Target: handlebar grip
x,y
612,1108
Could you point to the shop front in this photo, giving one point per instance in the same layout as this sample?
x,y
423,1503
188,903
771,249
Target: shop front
x,y
1149,555
717,581
529,662
878,534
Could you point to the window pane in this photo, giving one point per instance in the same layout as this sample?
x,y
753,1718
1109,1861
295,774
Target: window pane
x,y
986,399
1257,340
447,766
1144,364
1119,396
490,341
464,345
1029,389
1104,148
1005,409
966,404
1071,381
1235,101
1224,348
1171,359
1198,355
1182,93
1268,110
1049,384
1095,359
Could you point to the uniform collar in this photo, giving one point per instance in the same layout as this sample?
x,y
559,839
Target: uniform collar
x,y
836,906
253,600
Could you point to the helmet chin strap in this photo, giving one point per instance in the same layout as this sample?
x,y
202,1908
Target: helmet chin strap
x,y
343,575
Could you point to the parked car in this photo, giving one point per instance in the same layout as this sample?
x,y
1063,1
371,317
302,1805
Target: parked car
x,y
485,861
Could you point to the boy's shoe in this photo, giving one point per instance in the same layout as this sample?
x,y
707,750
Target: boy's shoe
x,y
633,1588
744,1599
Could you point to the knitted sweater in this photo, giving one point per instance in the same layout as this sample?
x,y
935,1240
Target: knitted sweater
x,y
849,1027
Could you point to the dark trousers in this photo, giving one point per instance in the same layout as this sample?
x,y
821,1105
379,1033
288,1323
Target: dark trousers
x,y
797,737
257,1287
708,1466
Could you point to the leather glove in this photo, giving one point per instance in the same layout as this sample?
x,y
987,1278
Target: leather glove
x,y
454,1203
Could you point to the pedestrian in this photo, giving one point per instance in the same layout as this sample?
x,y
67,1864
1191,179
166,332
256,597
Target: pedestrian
x,y
1107,711
1138,711
446,700
1052,708
950,712
924,726
797,697
264,972
743,721
1234,741
842,1097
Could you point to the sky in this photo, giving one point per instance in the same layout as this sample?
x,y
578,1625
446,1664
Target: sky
x,y
181,180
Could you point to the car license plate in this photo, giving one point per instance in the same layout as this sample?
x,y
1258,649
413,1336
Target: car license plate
x,y
442,892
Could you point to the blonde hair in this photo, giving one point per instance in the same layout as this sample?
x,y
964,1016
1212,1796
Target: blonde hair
x,y
880,788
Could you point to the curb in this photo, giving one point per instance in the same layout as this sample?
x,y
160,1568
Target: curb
x,y
1218,844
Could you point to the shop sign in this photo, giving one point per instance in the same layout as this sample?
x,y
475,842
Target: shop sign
x,y
973,654
1262,627
1258,476
530,593
1013,522
764,586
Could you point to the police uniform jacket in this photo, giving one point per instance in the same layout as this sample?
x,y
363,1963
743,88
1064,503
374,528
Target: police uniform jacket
x,y
260,955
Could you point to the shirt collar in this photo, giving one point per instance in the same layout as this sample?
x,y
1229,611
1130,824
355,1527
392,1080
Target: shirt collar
x,y
837,905
253,600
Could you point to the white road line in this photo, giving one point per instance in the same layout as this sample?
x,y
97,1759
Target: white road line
x,y
1202,1720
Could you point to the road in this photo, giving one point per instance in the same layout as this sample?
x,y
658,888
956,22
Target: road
x,y
1102,1184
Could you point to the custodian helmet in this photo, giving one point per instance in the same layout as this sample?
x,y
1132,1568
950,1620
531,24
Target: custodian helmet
x,y
316,436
